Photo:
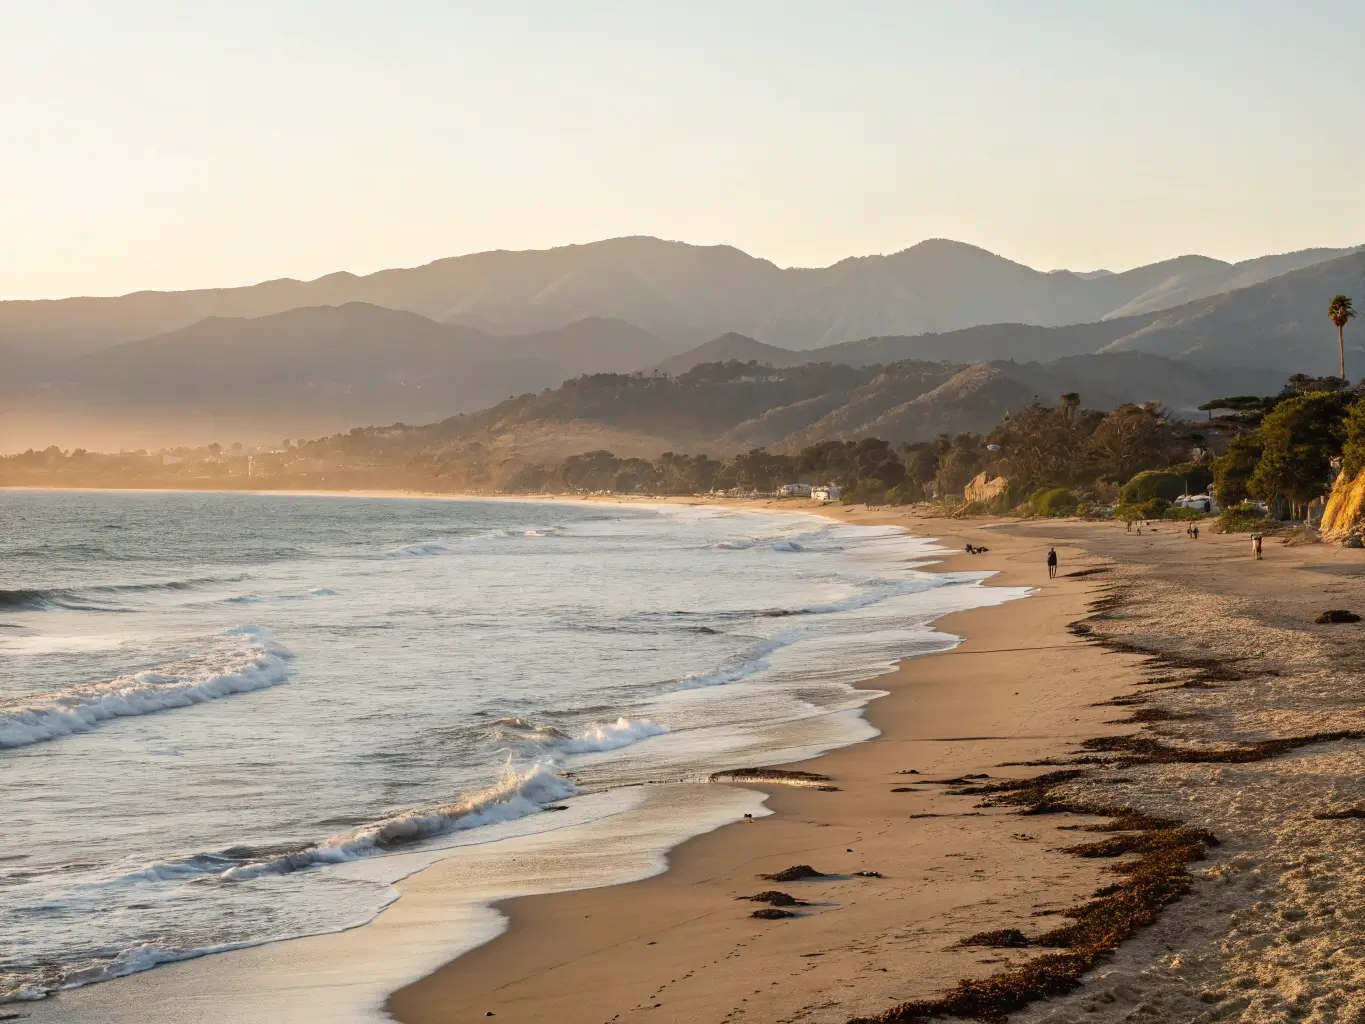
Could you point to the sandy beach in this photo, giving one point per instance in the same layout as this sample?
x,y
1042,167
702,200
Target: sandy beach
x,y
1150,669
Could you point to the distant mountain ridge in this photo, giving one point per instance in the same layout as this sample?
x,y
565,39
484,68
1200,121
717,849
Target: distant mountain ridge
x,y
681,293
1280,324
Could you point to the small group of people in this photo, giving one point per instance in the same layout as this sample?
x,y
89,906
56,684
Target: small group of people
x,y
976,549
1191,530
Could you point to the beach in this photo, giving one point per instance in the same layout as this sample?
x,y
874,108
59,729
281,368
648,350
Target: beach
x,y
1136,791
1185,643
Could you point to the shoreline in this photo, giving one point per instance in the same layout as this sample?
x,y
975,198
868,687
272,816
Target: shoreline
x,y
521,975
803,734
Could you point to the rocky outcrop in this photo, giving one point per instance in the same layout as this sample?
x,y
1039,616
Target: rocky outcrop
x,y
1345,508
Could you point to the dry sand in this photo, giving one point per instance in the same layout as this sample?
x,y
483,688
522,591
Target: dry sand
x,y
1272,930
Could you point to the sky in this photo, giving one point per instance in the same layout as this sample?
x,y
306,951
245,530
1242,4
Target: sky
x,y
164,145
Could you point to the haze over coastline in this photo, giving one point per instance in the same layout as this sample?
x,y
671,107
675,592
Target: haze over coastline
x,y
764,512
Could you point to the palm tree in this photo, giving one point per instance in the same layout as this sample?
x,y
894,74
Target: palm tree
x,y
1339,311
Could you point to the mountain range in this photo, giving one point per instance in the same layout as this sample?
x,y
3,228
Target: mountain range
x,y
291,358
683,294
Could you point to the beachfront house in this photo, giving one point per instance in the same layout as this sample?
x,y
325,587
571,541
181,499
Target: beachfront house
x,y
794,490
826,492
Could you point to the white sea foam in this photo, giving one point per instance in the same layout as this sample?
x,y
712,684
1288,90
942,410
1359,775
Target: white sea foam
x,y
598,736
238,660
751,543
612,735
517,794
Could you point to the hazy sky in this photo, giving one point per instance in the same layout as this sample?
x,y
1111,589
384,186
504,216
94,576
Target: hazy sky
x,y
165,144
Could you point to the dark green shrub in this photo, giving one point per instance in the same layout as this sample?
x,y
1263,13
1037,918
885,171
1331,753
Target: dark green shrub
x,y
867,490
1057,501
903,494
1241,518
1149,484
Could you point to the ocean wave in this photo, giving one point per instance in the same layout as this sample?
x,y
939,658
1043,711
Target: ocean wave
x,y
27,599
257,599
753,662
598,736
517,794
865,595
134,960
451,545
780,544
423,550
86,598
239,660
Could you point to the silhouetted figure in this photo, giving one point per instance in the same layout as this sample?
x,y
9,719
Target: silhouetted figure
x,y
1195,534
1051,562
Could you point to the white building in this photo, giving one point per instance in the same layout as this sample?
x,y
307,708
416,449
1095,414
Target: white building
x,y
828,492
794,490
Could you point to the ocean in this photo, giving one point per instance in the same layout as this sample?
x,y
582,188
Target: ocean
x,y
214,706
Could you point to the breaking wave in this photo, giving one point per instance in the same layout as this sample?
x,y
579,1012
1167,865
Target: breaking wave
x,y
425,550
517,794
428,548
241,659
598,736
86,598
755,661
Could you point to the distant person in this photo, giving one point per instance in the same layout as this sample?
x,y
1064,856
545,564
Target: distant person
x,y
971,550
1256,546
1195,533
1051,562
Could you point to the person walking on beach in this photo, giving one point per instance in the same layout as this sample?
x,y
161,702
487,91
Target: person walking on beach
x,y
1051,563
1195,534
1256,546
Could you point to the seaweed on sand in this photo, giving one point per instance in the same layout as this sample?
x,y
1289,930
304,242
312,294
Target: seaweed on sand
x,y
794,874
775,898
1157,878
783,775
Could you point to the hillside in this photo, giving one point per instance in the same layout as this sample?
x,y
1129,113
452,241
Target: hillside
x,y
733,346
306,371
683,294
722,408
1281,323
